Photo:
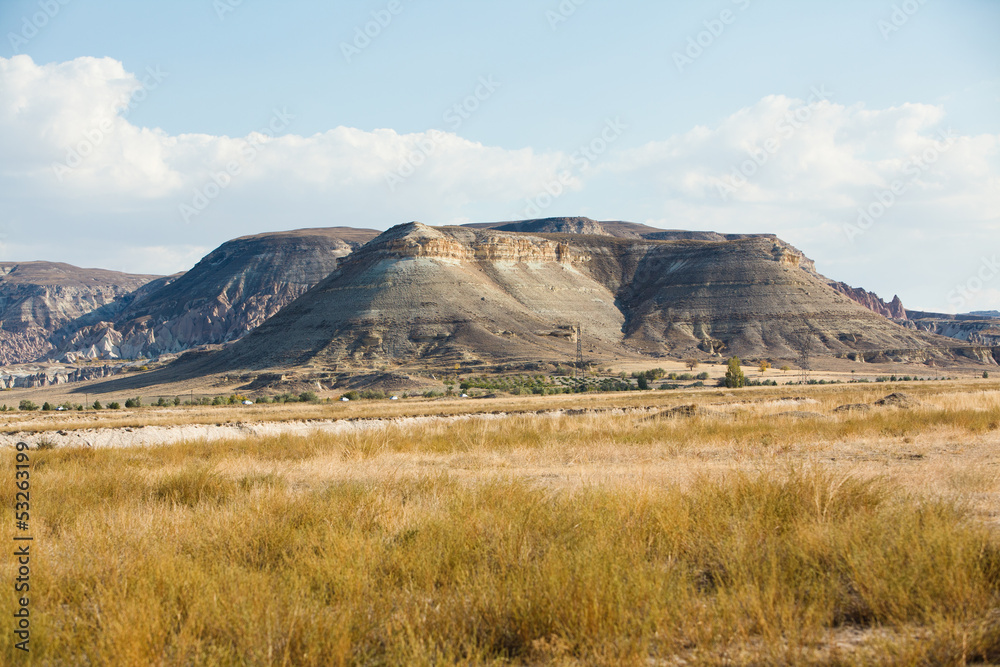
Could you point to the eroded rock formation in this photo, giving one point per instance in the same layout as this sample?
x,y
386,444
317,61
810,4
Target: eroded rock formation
x,y
231,291
37,298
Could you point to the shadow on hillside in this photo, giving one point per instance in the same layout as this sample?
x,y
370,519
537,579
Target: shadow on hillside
x,y
189,366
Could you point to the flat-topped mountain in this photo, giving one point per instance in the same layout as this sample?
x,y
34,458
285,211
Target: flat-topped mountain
x,y
232,290
36,298
468,294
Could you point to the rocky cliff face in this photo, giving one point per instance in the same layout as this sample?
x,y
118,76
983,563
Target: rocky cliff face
x,y
37,298
228,293
461,294
893,310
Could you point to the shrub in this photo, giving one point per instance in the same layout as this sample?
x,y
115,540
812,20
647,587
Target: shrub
x,y
97,405
133,402
308,397
177,400
643,383
986,375
46,407
701,376
115,405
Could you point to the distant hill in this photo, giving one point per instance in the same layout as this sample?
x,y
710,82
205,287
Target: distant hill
x,y
36,298
617,229
232,290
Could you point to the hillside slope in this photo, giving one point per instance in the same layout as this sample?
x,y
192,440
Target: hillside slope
x,y
231,291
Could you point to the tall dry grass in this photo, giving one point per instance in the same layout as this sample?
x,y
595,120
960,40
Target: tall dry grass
x,y
352,550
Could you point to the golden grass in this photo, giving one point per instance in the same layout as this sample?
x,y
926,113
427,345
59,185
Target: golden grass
x,y
740,538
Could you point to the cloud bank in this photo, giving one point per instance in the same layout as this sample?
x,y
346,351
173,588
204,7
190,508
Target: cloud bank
x,y
893,199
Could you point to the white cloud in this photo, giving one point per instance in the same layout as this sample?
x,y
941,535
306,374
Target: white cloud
x,y
72,163
808,179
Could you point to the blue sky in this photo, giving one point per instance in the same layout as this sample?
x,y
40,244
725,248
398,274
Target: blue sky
x,y
893,77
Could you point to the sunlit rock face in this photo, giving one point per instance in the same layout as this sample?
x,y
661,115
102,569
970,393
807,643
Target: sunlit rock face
x,y
227,294
37,298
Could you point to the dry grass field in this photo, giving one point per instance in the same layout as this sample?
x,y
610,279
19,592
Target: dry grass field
x,y
758,530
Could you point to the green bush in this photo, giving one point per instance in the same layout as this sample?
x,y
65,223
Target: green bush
x,y
308,397
46,407
115,405
27,405
97,405
133,402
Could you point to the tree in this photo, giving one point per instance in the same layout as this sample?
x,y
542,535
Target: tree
x,y
764,365
691,364
785,368
46,407
734,374
97,405
27,405
643,383
986,375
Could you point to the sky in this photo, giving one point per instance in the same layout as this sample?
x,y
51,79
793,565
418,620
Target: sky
x,y
139,135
